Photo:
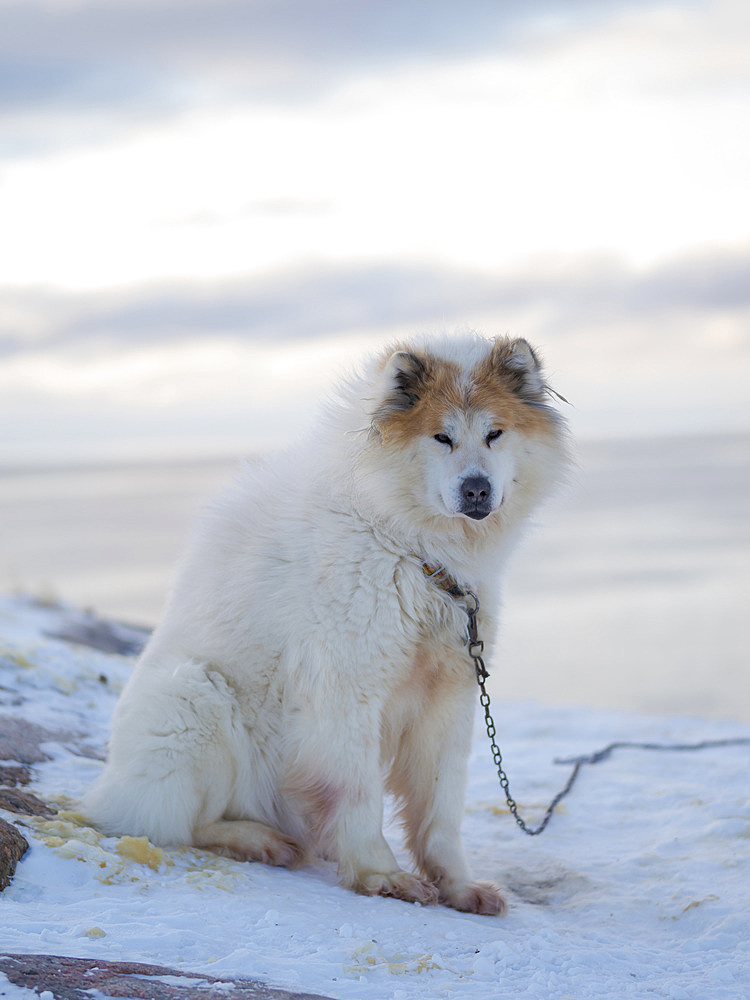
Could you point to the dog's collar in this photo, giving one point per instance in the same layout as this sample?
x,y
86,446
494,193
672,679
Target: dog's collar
x,y
440,576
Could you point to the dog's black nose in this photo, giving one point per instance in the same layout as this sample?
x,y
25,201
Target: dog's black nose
x,y
476,488
476,493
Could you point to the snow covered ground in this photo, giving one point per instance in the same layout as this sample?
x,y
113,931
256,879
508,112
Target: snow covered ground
x,y
639,888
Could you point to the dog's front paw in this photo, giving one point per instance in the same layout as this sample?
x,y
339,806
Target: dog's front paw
x,y
400,885
475,897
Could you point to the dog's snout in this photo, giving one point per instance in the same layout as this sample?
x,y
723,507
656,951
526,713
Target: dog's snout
x,y
476,496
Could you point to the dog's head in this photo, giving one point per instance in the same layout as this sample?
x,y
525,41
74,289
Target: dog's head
x,y
461,422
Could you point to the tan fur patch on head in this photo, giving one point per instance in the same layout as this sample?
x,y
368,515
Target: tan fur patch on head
x,y
429,388
508,393
438,392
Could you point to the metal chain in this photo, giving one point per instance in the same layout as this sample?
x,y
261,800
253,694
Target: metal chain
x,y
469,603
476,648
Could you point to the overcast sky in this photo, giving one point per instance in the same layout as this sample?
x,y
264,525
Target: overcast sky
x,y
209,207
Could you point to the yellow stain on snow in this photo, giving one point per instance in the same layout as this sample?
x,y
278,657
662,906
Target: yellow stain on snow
x,y
67,826
533,809
366,959
140,850
18,659
129,859
70,836
699,902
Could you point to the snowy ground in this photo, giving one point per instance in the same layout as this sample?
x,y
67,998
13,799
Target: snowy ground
x,y
640,887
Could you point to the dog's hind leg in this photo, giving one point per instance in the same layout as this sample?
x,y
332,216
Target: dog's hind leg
x,y
247,840
177,744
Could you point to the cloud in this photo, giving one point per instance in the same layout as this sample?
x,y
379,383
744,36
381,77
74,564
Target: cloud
x,y
289,305
558,295
172,369
133,57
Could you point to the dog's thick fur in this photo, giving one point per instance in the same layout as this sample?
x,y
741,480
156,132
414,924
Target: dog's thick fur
x,y
306,664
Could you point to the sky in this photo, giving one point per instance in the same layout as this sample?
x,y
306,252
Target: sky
x,y
209,209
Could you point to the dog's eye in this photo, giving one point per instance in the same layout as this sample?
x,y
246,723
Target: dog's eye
x,y
444,439
492,436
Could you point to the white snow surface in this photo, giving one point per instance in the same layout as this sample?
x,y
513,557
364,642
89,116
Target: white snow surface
x,y
639,888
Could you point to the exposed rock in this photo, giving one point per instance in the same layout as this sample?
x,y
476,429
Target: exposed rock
x,y
11,776
78,978
20,740
85,629
24,803
13,846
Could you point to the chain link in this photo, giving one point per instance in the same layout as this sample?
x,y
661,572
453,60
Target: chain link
x,y
476,648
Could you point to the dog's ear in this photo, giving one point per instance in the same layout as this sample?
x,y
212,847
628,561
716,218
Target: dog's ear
x,y
404,379
521,369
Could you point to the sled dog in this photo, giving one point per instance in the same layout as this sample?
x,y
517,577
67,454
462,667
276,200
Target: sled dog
x,y
306,664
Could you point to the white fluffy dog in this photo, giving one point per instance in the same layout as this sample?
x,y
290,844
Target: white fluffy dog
x,y
306,664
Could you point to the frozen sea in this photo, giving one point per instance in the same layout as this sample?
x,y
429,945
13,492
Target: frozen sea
x,y
631,591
